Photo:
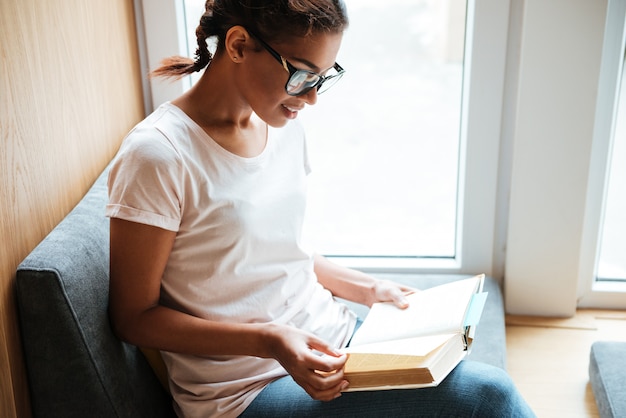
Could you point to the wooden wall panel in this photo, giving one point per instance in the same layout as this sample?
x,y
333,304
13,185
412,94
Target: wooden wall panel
x,y
70,89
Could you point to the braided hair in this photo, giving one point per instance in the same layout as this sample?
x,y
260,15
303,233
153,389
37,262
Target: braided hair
x,y
270,19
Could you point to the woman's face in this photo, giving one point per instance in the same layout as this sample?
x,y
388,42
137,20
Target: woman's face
x,y
266,77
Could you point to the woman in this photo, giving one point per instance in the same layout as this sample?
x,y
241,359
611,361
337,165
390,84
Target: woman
x,y
207,197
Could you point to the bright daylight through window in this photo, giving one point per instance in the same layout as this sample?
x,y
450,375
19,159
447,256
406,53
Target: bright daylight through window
x,y
384,142
612,262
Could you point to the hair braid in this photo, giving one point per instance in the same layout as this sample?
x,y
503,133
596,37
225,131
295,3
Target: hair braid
x,y
203,55
271,19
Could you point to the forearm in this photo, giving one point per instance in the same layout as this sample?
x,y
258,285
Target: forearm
x,y
345,283
166,329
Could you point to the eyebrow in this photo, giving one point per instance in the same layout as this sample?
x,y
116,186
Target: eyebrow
x,y
310,64
305,62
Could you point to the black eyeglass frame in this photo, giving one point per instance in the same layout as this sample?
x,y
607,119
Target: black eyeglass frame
x,y
293,70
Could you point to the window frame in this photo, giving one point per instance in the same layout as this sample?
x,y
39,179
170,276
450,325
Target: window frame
x,y
593,292
161,33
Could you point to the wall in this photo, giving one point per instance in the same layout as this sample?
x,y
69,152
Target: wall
x,y
70,89
550,124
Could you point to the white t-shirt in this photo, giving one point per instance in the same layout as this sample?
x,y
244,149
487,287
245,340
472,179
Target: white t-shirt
x,y
237,256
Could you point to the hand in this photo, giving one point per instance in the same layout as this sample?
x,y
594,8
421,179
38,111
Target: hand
x,y
321,376
388,291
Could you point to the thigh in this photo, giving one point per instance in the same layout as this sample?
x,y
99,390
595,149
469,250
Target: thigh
x,y
472,390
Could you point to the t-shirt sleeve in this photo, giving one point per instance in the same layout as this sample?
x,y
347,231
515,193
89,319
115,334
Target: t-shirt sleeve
x,y
145,182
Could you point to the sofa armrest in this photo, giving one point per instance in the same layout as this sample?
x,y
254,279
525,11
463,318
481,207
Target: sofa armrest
x,y
76,366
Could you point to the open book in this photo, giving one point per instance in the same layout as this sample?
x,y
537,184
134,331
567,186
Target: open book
x,y
418,346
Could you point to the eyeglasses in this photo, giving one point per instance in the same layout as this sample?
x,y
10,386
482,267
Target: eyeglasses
x,y
302,81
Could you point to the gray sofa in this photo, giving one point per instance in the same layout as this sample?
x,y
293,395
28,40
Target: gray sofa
x,y
607,374
77,367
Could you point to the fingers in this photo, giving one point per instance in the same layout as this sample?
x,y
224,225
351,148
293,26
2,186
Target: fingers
x,y
388,291
312,363
398,296
323,347
400,300
324,379
325,386
328,364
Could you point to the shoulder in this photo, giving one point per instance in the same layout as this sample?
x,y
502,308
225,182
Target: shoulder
x,y
149,153
152,140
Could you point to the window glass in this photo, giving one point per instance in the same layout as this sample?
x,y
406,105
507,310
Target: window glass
x,y
384,141
194,9
612,263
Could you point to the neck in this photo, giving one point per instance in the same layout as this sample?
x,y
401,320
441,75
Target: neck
x,y
216,105
215,99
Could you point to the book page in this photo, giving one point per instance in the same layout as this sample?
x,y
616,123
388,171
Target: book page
x,y
418,346
367,371
437,310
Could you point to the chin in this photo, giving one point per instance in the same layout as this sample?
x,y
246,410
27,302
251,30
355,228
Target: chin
x,y
275,121
277,118
278,124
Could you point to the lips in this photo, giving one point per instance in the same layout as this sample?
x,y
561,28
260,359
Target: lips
x,y
291,111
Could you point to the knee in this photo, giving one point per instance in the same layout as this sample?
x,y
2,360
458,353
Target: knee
x,y
495,393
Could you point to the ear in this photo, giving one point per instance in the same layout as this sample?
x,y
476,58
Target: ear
x,y
237,43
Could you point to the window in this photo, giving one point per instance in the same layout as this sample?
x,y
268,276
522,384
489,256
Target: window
x,y
507,201
193,10
603,264
612,262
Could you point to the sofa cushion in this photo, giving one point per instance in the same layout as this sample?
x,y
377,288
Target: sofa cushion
x,y
76,366
607,366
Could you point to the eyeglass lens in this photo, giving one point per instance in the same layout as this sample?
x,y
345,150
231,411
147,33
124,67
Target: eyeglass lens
x,y
302,81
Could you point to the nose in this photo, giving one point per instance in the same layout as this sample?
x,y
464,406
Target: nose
x,y
310,97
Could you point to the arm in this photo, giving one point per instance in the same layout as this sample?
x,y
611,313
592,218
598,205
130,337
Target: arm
x,y
357,286
139,254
